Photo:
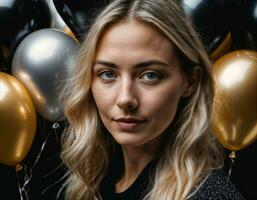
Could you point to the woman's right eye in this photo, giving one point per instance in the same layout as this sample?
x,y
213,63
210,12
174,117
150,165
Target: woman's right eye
x,y
107,75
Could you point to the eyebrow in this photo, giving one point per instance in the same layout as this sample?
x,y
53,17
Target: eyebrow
x,y
138,65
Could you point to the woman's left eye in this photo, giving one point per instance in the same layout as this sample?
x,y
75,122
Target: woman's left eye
x,y
107,75
151,76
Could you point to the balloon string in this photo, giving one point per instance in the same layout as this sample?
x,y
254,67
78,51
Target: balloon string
x,y
22,191
26,177
232,157
55,126
29,175
19,185
62,178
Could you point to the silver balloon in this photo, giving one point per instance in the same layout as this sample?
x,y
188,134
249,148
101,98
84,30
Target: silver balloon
x,y
57,21
41,62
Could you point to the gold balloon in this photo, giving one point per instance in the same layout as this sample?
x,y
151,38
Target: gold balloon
x,y
17,120
234,118
224,48
70,33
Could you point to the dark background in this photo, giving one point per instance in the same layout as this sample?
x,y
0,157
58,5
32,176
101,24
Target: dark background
x,y
48,174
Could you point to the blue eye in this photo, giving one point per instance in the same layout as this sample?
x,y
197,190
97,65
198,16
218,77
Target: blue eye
x,y
107,75
151,76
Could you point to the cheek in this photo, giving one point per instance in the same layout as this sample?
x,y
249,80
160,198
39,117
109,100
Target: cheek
x,y
165,106
98,96
162,105
102,97
164,97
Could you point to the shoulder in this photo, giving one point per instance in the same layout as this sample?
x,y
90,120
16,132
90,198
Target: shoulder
x,y
217,187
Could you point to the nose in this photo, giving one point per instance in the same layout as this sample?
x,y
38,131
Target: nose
x,y
127,98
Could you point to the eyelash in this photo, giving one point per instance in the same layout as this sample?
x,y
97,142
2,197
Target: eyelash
x,y
156,74
103,74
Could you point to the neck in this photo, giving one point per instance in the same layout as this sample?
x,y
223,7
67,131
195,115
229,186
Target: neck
x,y
135,160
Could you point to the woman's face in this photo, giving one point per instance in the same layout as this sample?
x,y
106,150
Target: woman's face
x,y
137,83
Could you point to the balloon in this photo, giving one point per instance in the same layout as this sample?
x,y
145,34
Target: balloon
x,y
1,60
207,16
19,14
222,49
234,119
209,19
57,21
8,19
244,24
18,18
41,62
3,57
17,120
78,14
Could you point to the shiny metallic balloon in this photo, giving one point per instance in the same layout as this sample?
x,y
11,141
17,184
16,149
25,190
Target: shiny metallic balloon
x,y
209,18
243,24
19,18
17,120
234,119
57,21
78,14
42,62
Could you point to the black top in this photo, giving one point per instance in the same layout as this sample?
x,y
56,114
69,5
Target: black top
x,y
215,187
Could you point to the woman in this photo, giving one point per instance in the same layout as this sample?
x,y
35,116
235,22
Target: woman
x,y
138,104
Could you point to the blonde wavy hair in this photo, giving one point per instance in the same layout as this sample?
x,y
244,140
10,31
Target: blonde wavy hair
x,y
190,151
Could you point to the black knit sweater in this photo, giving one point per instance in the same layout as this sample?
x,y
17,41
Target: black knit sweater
x,y
215,187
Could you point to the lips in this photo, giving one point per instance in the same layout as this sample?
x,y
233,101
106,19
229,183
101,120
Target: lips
x,y
128,124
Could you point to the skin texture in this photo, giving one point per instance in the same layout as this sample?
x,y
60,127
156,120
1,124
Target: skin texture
x,y
136,75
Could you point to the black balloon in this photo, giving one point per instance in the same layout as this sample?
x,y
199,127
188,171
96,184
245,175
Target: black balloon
x,y
4,52
243,20
209,19
78,14
18,18
8,20
2,61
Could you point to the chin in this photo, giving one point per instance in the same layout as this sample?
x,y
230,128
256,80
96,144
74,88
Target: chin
x,y
128,140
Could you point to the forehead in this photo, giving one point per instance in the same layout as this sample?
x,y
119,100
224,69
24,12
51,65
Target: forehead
x,y
134,36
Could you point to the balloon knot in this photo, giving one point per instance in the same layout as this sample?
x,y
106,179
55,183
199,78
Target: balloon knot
x,y
55,125
18,167
232,155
